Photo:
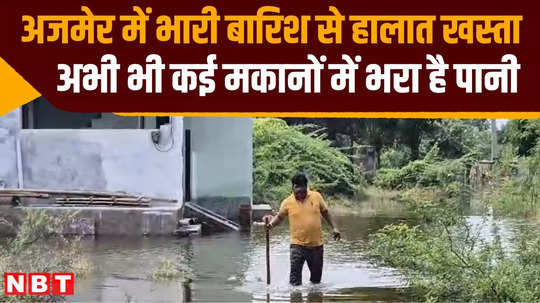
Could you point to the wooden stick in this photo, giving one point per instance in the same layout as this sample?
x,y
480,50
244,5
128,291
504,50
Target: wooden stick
x,y
267,251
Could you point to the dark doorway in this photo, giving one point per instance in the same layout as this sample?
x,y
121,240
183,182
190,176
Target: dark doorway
x,y
162,121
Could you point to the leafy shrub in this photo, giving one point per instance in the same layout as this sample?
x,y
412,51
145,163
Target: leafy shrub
x,y
430,171
395,156
39,246
523,135
280,151
458,137
518,194
443,258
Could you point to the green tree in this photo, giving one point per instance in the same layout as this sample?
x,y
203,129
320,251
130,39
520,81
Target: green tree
x,y
459,137
522,134
280,151
375,132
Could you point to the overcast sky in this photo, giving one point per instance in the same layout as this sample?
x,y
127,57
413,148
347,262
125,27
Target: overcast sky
x,y
500,123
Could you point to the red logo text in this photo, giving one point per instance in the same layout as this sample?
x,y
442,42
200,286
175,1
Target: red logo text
x,y
57,284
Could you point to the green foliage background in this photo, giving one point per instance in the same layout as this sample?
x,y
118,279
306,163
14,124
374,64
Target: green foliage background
x,y
280,151
522,135
516,190
433,170
441,255
39,246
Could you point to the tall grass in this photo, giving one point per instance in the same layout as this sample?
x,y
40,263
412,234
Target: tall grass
x,y
40,246
517,188
445,258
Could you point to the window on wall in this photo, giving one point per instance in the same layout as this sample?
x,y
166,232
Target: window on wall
x,y
41,114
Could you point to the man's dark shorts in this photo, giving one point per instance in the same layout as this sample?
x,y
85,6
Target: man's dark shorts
x,y
314,258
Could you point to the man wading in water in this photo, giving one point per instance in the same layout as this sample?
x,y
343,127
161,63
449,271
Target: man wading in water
x,y
304,209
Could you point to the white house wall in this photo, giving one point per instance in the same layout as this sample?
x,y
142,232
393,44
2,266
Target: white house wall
x,y
103,160
222,156
222,163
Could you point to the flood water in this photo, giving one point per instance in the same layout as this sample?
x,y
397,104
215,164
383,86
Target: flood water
x,y
230,267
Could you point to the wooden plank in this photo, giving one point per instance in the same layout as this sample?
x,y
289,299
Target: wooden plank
x,y
25,195
101,203
67,199
92,201
70,192
84,193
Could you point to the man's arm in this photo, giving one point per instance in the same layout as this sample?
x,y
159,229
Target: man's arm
x,y
326,215
274,220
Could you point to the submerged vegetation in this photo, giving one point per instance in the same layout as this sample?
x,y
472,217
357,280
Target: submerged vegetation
x,y
39,246
446,257
443,255
169,270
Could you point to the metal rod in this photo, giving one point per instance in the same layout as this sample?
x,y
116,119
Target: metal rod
x,y
493,139
214,217
20,175
267,252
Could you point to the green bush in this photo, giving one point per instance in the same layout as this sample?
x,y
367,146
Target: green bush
x,y
395,156
458,137
280,151
441,255
517,190
430,171
523,135
443,258
39,246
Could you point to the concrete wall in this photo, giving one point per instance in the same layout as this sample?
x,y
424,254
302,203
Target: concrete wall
x,y
102,160
103,221
222,156
9,128
105,160
127,160
222,163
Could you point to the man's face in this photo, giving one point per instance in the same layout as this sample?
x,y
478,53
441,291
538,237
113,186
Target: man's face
x,y
300,192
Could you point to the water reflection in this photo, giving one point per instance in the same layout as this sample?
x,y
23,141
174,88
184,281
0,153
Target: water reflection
x,y
311,297
230,267
346,268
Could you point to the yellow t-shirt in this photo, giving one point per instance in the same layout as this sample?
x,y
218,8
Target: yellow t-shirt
x,y
305,218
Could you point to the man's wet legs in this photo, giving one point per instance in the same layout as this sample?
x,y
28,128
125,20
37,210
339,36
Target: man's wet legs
x,y
297,262
314,258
